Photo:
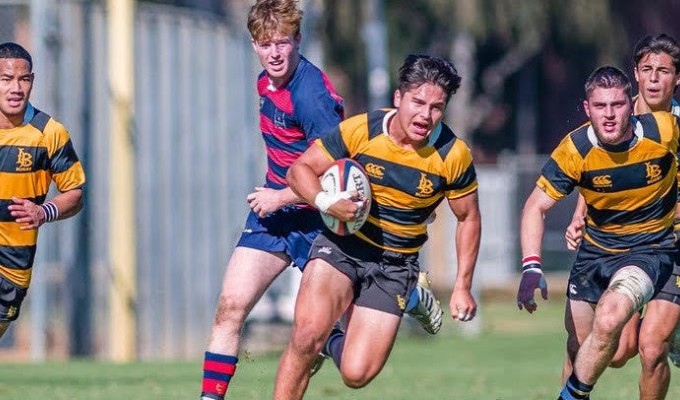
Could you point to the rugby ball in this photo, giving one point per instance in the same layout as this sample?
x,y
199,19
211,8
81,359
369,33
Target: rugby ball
x,y
346,175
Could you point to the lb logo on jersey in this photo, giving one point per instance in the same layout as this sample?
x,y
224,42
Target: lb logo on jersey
x,y
653,172
24,161
11,312
375,170
424,186
677,281
602,181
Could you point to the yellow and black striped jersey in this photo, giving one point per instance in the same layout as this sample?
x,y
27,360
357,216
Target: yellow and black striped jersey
x,y
31,157
630,192
407,185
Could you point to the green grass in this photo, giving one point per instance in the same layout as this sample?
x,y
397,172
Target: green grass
x,y
518,356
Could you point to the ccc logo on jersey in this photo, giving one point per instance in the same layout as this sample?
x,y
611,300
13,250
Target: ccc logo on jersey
x,y
602,181
425,186
653,172
375,170
24,161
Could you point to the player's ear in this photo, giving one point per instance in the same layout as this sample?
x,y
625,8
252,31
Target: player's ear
x,y
586,108
397,98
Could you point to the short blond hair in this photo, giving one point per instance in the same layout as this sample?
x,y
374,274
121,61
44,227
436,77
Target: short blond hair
x,y
268,17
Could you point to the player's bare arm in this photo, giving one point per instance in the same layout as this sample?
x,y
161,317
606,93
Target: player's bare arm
x,y
532,228
32,216
574,232
468,232
267,200
303,178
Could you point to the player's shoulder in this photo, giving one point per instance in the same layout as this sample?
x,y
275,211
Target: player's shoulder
x,y
45,123
308,77
660,126
445,142
578,141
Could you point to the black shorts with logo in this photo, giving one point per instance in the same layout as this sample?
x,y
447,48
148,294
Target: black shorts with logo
x,y
671,290
593,269
381,279
11,297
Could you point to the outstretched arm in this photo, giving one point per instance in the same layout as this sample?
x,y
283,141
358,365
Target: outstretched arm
x,y
531,234
468,232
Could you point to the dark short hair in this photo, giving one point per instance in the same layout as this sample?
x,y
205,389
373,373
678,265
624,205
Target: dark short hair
x,y
658,44
608,77
13,50
420,69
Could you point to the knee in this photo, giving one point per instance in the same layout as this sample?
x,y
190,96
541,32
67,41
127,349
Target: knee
x,y
625,352
652,353
229,311
608,324
357,373
356,379
621,359
306,340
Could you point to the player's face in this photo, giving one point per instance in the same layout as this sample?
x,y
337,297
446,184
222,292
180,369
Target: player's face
x,y
16,82
279,55
657,77
419,111
609,111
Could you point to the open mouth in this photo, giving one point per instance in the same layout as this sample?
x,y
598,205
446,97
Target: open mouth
x,y
421,128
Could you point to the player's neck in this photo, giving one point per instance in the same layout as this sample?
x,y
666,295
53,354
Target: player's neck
x,y
11,121
641,106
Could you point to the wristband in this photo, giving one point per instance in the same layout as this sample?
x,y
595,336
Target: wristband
x,y
531,263
50,210
324,201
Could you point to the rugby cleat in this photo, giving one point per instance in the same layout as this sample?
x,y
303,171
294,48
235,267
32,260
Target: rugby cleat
x,y
674,347
424,306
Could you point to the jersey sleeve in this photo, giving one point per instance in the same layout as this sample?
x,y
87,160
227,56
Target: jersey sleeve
x,y
345,139
560,174
319,111
67,171
462,178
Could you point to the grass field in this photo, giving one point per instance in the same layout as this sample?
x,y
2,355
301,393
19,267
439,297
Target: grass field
x,y
517,356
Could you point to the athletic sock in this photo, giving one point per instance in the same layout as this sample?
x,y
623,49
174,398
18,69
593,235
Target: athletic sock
x,y
334,346
217,372
574,389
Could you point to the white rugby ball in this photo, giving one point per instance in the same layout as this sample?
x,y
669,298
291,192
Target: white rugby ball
x,y
346,175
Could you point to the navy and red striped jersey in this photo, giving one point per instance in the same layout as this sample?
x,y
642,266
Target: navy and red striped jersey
x,y
293,116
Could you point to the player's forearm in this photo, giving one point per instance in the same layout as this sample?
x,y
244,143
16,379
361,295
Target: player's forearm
x,y
68,203
288,196
468,234
581,208
531,231
303,182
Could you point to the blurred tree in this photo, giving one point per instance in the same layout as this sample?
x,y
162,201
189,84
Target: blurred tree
x,y
523,62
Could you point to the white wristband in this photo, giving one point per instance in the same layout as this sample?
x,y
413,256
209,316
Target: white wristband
x,y
323,201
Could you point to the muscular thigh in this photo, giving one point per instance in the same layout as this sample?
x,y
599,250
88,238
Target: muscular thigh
x,y
249,273
578,320
661,318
